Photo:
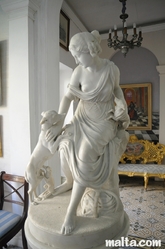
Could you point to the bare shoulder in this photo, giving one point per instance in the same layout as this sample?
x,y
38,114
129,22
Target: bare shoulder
x,y
115,73
114,67
76,76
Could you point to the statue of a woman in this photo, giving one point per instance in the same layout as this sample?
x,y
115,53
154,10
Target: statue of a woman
x,y
97,131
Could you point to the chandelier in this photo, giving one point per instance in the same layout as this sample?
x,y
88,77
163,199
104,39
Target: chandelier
x,y
124,45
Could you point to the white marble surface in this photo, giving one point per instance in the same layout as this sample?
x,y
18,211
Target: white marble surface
x,y
44,224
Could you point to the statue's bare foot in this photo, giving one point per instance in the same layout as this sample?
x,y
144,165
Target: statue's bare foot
x,y
38,198
35,203
69,225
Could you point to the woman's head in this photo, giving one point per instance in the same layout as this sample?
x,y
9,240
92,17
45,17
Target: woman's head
x,y
86,42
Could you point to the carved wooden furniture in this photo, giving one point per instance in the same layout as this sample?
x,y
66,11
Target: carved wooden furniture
x,y
142,158
13,189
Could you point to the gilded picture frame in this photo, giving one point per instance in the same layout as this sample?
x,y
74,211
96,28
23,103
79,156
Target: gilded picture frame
x,y
138,99
64,30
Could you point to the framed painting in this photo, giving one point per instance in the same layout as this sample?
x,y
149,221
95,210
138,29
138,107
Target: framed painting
x,y
64,30
138,99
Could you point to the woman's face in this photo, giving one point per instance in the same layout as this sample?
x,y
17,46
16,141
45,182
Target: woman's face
x,y
83,59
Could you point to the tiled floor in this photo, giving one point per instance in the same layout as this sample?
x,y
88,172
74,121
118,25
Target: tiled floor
x,y
151,135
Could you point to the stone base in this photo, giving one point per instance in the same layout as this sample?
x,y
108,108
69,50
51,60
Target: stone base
x,y
44,222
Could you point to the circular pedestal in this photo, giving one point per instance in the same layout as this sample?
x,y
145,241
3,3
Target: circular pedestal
x,y
44,222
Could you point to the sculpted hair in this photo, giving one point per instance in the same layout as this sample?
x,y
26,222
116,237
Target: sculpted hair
x,y
86,42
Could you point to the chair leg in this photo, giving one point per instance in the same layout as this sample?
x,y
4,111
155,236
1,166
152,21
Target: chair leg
x,y
145,182
24,241
1,247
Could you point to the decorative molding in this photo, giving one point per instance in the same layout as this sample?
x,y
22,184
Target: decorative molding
x,y
161,69
152,28
20,8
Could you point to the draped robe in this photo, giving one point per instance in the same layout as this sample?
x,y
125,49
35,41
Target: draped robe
x,y
93,127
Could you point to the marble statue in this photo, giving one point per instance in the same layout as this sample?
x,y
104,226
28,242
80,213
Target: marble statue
x,y
44,149
87,205
98,126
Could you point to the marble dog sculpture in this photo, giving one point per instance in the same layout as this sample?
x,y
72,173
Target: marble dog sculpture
x,y
44,149
49,183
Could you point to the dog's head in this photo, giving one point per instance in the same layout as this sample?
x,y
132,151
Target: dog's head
x,y
50,118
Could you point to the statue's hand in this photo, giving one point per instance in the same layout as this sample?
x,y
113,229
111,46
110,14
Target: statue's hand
x,y
124,123
53,145
120,110
53,132
119,114
122,117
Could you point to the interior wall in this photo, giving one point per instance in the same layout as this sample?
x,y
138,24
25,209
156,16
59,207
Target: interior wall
x,y
65,75
139,66
4,111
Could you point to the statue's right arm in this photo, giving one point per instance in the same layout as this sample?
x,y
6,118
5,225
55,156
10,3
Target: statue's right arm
x,y
68,97
66,100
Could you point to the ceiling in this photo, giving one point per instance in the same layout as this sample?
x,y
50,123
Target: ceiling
x,y
104,14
